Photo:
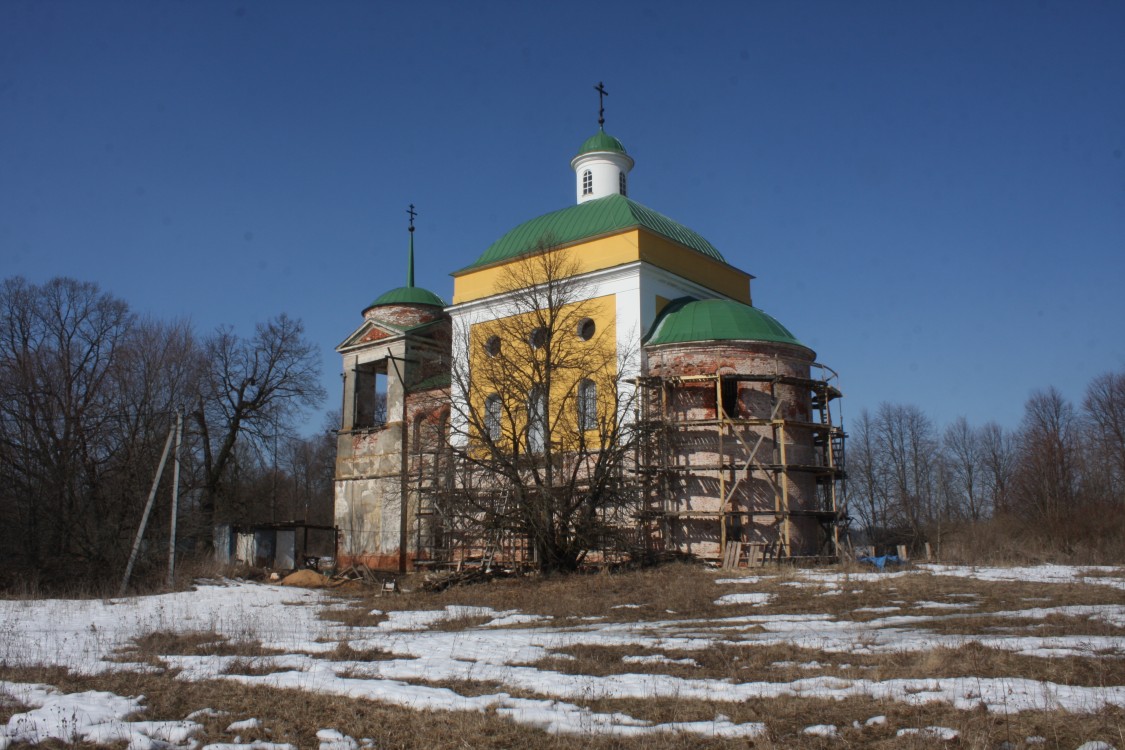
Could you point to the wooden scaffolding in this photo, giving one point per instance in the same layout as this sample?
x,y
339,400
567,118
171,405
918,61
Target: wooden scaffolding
x,y
727,447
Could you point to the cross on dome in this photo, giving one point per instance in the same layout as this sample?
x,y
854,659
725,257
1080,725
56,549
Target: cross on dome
x,y
602,166
602,93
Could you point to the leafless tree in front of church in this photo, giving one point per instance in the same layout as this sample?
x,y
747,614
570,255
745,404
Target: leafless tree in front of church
x,y
543,434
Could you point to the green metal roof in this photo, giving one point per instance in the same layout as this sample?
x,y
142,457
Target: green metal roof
x,y
606,215
689,319
408,295
601,141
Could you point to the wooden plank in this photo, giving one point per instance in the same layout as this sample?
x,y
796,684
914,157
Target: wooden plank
x,y
755,555
731,555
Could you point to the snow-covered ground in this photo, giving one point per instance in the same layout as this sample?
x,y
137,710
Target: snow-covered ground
x,y
89,637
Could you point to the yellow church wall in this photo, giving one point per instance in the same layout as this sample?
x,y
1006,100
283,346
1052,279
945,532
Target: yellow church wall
x,y
595,359
694,266
615,250
594,255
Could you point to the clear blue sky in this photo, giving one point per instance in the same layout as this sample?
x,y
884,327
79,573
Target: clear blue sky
x,y
932,195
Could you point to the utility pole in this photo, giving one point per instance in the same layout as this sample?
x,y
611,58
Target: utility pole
x,y
144,516
175,497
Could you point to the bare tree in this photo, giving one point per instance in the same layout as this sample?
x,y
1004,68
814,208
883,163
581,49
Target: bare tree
x,y
543,427
999,465
309,466
964,455
1048,476
1104,416
87,394
253,390
907,442
867,478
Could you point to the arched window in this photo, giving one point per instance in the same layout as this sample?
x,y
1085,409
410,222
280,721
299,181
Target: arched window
x,y
587,405
416,433
621,183
536,419
492,414
587,182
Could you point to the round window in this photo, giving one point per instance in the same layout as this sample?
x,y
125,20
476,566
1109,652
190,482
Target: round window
x,y
492,346
538,337
586,329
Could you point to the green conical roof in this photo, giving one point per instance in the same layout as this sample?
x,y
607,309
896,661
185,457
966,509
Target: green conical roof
x,y
600,216
688,319
601,141
408,295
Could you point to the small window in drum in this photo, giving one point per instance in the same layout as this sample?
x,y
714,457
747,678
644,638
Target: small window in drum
x,y
492,346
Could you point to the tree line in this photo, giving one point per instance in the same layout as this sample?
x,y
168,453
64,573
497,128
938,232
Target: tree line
x,y
1053,485
88,392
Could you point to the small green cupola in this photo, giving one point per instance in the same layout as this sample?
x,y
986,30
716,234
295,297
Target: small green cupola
x,y
602,165
601,141
409,294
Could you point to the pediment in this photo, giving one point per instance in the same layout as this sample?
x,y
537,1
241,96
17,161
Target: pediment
x,y
367,333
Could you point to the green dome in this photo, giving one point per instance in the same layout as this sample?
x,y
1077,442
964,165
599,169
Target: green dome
x,y
688,319
600,216
601,141
408,295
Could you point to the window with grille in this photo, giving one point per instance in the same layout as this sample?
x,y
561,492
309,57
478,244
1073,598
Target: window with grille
x,y
492,409
587,182
587,405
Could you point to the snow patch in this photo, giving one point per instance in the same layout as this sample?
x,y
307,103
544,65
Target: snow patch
x,y
757,598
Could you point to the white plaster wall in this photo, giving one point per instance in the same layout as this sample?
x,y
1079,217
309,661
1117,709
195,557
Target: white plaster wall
x,y
605,167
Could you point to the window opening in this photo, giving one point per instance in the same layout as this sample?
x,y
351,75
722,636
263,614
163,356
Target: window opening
x,y
536,420
587,405
538,338
492,346
416,437
370,395
587,182
730,397
586,329
621,183
492,413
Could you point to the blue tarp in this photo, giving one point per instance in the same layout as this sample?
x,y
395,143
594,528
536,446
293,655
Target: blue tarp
x,y
880,562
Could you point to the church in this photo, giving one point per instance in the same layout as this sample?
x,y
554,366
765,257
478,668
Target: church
x,y
602,353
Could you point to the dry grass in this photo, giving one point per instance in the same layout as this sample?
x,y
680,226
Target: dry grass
x,y
749,663
672,593
344,652
196,644
293,717
687,590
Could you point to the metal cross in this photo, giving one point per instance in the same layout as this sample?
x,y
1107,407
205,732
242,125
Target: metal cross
x,y
412,214
600,88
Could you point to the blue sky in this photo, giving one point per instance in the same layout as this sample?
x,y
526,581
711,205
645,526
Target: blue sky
x,y
932,195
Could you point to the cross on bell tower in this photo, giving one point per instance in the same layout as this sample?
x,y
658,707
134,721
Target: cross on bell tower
x,y
602,93
410,263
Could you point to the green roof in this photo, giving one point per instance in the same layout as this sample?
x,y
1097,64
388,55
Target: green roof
x,y
688,319
607,215
408,295
601,141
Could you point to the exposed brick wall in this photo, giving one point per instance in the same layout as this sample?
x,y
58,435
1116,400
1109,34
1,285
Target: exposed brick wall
x,y
404,316
699,446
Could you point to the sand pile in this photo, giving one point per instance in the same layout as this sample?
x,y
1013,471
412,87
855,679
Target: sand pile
x,y
308,579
